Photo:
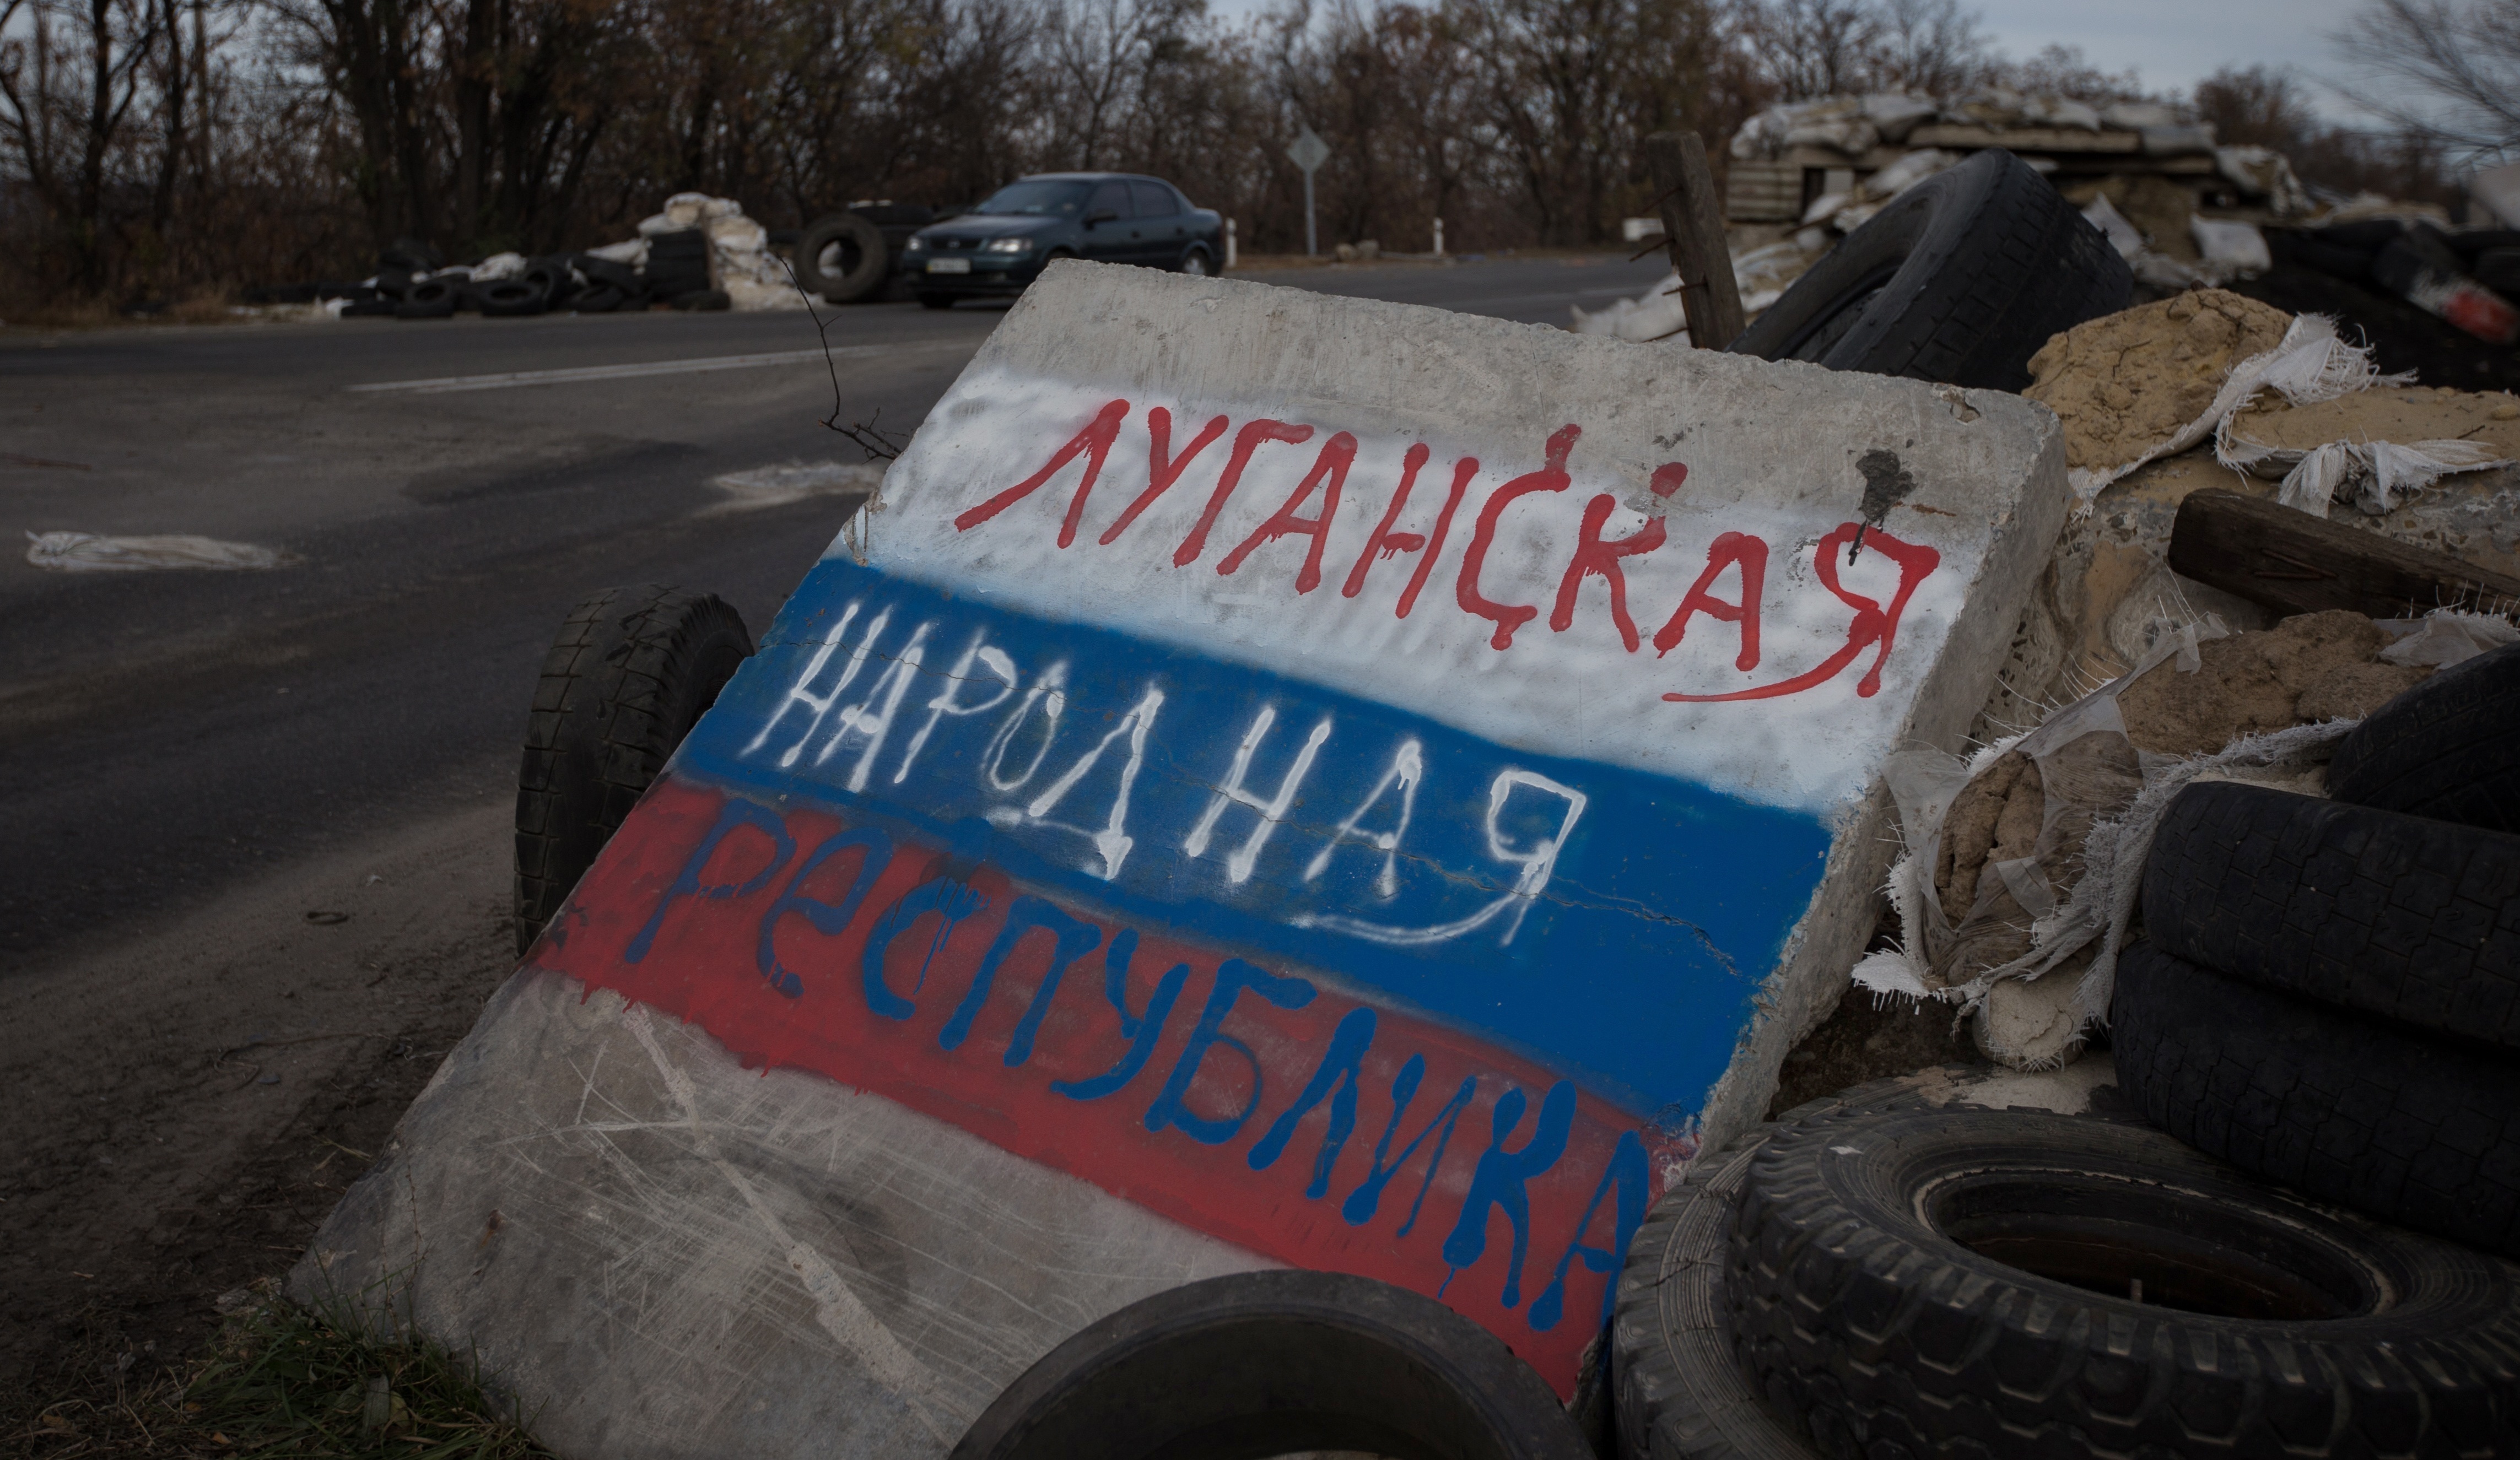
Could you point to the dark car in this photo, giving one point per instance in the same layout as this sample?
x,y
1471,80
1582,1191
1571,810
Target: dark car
x,y
1002,245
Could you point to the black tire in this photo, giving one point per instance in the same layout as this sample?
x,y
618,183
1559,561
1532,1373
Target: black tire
x,y
1960,278
1266,1363
2333,1104
600,271
935,302
631,672
843,257
511,298
677,263
1681,1393
555,276
705,301
1197,263
598,299
2405,917
361,309
430,299
1963,1283
2449,748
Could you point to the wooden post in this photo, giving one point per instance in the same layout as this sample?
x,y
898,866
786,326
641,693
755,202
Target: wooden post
x,y
1692,226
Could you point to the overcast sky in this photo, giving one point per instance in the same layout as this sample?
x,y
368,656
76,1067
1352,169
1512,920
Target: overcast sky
x,y
2177,43
2172,43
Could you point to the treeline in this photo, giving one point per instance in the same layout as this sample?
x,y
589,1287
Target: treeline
x,y
149,147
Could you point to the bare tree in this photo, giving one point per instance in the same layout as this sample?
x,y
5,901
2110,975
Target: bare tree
x,y
2460,58
1932,47
1098,55
1817,48
66,114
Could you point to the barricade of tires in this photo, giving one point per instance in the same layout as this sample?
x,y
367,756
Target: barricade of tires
x,y
412,282
2329,991
2293,1240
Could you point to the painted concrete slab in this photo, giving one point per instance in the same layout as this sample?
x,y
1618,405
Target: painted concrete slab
x,y
1285,781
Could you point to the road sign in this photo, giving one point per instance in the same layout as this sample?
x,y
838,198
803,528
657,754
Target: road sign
x,y
1309,152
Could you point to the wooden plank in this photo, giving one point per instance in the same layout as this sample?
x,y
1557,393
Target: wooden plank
x,y
1692,226
2293,562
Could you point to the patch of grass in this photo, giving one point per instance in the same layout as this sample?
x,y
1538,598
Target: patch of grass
x,y
286,1383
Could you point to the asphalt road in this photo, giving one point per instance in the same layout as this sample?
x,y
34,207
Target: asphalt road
x,y
166,733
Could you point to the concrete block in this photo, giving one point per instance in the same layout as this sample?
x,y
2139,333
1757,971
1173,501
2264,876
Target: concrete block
x,y
1287,779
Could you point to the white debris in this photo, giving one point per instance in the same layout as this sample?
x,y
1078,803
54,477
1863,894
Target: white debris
x,y
2446,637
92,553
741,264
2231,250
634,253
498,266
1656,314
1905,173
2376,476
2264,172
793,481
2121,234
1763,275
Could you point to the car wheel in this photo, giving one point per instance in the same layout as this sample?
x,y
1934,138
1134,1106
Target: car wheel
x,y
631,672
1195,263
843,259
1998,1283
1959,280
1270,1363
935,302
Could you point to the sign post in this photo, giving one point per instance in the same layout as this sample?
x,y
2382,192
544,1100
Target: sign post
x,y
1309,153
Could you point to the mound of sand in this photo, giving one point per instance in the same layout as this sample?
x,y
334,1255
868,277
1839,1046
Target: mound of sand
x,y
2127,382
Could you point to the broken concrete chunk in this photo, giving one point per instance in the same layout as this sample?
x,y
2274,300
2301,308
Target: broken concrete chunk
x,y
1289,780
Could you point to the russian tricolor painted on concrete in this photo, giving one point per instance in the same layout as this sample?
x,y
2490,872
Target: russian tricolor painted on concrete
x,y
1373,788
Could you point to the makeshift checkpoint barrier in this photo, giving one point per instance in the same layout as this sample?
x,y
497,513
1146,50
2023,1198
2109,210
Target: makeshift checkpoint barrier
x,y
1289,781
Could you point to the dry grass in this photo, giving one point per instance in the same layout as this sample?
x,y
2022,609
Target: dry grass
x,y
279,1382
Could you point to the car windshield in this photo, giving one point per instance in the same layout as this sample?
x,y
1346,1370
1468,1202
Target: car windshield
x,y
1048,199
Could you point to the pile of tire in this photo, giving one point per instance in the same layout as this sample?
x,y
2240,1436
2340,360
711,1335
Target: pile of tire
x,y
2327,992
2291,1232
413,283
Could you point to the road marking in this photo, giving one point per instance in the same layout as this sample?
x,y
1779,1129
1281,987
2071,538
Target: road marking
x,y
449,384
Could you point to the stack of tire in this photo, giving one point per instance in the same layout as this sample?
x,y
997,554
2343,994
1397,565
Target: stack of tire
x,y
2328,994
678,271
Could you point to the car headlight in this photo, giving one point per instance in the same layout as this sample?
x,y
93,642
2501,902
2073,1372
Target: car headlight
x,y
1007,246
916,245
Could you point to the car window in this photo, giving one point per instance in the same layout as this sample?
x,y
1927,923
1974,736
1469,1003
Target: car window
x,y
1154,200
1064,200
1112,198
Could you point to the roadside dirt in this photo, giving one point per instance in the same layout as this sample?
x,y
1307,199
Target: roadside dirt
x,y
184,1106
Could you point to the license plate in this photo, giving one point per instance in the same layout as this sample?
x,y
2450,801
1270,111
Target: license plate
x,y
949,266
